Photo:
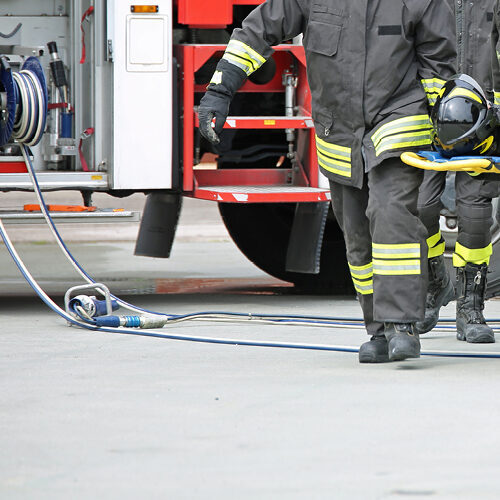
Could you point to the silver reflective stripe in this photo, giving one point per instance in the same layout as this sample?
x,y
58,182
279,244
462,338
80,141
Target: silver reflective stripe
x,y
401,140
396,253
364,290
396,267
333,157
362,274
335,151
331,164
244,66
364,287
401,125
242,55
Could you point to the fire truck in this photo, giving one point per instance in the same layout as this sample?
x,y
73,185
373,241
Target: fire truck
x,y
123,83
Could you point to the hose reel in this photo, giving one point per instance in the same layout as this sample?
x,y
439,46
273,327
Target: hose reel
x,y
23,102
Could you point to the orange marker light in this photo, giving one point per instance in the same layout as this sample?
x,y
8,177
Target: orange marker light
x,y
144,9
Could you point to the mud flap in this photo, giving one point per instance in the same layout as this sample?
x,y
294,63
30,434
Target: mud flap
x,y
158,225
306,238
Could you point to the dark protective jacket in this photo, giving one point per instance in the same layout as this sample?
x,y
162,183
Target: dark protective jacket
x,y
370,64
473,26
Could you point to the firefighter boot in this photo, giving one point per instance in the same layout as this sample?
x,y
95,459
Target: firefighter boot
x,y
471,287
439,292
402,341
375,350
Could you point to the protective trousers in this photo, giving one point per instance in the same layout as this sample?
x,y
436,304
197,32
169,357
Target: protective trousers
x,y
474,211
385,243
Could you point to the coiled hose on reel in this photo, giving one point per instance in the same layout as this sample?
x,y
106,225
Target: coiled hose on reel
x,y
24,102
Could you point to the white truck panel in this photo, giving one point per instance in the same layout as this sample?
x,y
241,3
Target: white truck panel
x,y
142,96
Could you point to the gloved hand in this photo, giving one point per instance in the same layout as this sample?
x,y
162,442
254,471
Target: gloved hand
x,y
226,80
213,105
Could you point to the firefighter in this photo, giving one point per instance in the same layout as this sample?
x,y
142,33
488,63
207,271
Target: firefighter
x,y
373,68
473,199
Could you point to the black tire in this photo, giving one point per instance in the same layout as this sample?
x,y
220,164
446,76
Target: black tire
x,y
261,231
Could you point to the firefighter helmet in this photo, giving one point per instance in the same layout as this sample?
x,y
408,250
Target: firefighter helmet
x,y
463,120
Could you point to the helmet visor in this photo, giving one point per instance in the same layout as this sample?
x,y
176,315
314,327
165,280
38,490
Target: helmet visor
x,y
457,119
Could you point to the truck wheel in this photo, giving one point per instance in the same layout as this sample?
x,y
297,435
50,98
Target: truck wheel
x,y
261,231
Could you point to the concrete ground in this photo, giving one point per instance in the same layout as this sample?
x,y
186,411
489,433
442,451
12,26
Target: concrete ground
x,y
102,415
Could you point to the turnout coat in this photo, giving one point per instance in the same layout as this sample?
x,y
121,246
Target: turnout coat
x,y
374,67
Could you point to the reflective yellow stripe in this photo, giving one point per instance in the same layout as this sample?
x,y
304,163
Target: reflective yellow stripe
x,y
436,250
236,44
432,84
463,255
396,251
361,272
393,256
405,124
360,268
408,140
334,158
459,92
432,87
363,287
336,167
334,148
396,267
432,99
409,129
243,65
496,98
243,56
362,278
435,244
395,245
434,239
329,155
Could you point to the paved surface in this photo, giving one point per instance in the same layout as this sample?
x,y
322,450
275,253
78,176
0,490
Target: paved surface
x,y
98,415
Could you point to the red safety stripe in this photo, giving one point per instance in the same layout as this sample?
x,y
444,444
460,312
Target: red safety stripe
x,y
86,14
57,105
85,135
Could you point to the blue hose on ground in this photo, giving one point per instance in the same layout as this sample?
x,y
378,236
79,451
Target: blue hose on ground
x,y
210,340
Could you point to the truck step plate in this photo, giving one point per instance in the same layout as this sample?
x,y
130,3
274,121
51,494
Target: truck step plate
x,y
262,194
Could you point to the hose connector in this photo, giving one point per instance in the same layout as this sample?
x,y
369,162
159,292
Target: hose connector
x,y
131,321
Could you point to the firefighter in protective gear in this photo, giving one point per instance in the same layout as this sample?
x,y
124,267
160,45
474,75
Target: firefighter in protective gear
x,y
373,67
473,198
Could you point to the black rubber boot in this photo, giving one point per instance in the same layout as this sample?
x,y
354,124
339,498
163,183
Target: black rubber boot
x,y
471,286
375,350
439,292
403,343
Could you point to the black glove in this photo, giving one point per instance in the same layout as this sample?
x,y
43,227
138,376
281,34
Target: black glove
x,y
213,105
227,79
